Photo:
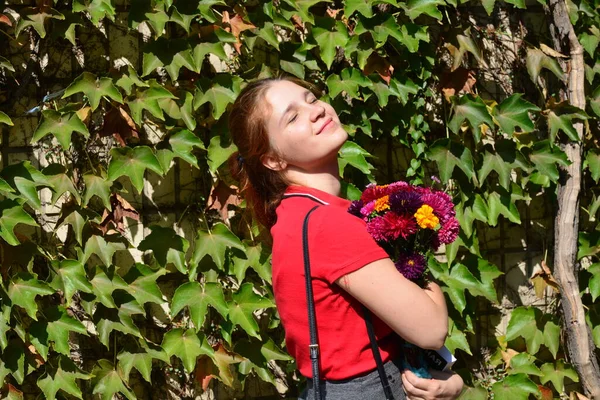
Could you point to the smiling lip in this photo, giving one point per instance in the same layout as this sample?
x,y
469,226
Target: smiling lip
x,y
325,125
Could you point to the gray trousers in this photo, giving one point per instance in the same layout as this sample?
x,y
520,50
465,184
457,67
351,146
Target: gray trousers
x,y
366,387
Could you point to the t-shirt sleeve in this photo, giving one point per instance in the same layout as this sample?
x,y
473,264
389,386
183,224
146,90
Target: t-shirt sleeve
x,y
340,244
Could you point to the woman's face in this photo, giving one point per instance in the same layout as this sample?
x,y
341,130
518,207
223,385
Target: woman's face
x,y
304,132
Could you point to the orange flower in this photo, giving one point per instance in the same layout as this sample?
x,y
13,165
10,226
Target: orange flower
x,y
382,203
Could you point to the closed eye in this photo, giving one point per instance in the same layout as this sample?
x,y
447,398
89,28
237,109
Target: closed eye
x,y
293,118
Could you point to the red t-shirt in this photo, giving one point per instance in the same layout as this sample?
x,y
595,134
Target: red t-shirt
x,y
338,244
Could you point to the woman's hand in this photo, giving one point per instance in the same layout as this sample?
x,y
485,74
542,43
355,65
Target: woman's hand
x,y
443,385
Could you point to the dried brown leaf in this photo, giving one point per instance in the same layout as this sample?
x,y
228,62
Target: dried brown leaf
x,y
116,217
376,63
5,20
549,51
543,278
237,25
221,196
507,355
204,372
119,124
545,393
459,81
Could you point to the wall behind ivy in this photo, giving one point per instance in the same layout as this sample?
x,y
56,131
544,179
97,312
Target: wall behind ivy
x,y
133,196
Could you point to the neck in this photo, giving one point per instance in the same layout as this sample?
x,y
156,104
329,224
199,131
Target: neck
x,y
327,180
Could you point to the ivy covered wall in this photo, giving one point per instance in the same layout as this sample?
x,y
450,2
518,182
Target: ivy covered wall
x,y
129,265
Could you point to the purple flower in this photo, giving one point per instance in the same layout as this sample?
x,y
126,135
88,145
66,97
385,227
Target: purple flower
x,y
411,266
405,202
355,207
442,205
448,233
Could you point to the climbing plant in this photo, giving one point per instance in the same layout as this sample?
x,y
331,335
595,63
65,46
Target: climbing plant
x,y
107,290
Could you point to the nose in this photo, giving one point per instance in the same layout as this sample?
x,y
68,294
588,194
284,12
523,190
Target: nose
x,y
317,111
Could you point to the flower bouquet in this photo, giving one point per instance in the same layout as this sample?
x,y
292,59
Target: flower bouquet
x,y
410,222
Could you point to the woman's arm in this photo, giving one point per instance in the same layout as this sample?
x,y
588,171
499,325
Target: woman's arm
x,y
418,315
443,385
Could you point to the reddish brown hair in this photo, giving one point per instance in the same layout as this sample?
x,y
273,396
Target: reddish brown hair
x,y
262,187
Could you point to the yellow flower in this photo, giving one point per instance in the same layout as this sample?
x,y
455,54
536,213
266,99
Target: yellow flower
x,y
426,218
382,203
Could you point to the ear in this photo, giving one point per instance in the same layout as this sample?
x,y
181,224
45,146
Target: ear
x,y
273,162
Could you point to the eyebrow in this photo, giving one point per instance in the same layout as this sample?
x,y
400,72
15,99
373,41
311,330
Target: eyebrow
x,y
292,105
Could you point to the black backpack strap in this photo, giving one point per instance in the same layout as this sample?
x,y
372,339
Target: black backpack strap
x,y
387,390
313,347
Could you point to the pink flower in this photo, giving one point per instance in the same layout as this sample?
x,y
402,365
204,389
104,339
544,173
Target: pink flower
x,y
442,205
448,233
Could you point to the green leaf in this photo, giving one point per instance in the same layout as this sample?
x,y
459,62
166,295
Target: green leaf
x,y
524,363
148,100
501,202
456,339
502,160
94,89
589,244
351,153
4,63
96,244
513,112
410,35
12,214
187,346
141,361
197,297
218,96
561,118
489,6
55,328
348,82
364,7
187,113
61,182
524,323
514,387
241,309
70,277
449,155
14,361
127,81
557,373
215,244
329,39
133,163
184,20
5,119
552,337
157,21
110,319
36,18
107,382
97,186
517,3
64,378
537,59
474,393
303,6
219,151
141,284
590,41
271,352
257,259
414,8
267,33
172,54
24,289
545,157
181,145
97,9
166,246
202,49
472,109
104,283
61,126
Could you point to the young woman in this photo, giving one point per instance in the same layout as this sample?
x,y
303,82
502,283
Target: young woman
x,y
288,141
